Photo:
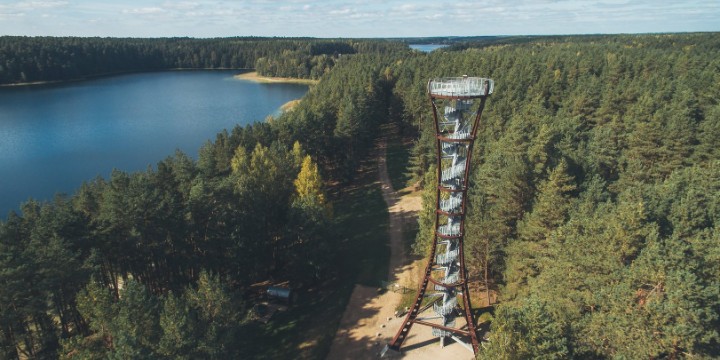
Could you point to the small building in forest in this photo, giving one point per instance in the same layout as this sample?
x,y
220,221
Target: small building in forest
x,y
279,294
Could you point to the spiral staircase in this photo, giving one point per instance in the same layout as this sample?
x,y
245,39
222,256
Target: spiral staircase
x,y
457,105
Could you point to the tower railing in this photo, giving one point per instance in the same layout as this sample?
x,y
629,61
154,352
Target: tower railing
x,y
451,204
461,87
446,258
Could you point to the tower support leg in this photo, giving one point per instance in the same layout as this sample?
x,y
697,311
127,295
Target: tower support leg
x,y
456,125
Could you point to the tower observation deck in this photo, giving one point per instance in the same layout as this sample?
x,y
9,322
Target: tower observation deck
x,y
457,106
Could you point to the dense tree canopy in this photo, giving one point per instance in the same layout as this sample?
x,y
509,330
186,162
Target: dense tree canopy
x,y
76,271
34,59
594,206
594,195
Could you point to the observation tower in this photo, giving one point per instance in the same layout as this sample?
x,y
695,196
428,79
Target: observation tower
x,y
457,105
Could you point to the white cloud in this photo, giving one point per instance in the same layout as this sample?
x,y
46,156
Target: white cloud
x,y
354,18
32,5
181,5
145,11
9,14
344,11
20,9
408,7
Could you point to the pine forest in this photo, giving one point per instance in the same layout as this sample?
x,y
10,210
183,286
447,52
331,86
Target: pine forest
x,y
594,205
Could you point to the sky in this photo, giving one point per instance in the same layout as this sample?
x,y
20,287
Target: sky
x,y
353,18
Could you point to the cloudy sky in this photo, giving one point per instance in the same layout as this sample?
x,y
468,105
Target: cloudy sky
x,y
353,18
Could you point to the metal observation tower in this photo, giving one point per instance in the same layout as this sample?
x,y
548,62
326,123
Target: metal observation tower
x,y
457,105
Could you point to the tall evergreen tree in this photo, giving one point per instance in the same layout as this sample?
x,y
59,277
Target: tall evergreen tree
x,y
527,255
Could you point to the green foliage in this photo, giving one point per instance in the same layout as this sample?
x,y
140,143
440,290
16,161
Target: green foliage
x,y
202,323
180,329
314,58
95,304
529,329
309,195
135,326
592,170
157,230
527,255
32,59
426,220
397,154
593,204
217,317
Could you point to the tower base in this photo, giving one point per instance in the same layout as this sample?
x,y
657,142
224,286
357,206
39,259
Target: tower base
x,y
390,352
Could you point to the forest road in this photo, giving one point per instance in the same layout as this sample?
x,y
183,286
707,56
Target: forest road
x,y
369,321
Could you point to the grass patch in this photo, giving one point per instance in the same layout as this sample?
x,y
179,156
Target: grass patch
x,y
363,218
398,156
410,231
408,299
362,222
307,329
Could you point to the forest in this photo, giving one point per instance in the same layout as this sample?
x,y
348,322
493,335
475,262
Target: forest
x,y
595,193
167,256
594,209
43,59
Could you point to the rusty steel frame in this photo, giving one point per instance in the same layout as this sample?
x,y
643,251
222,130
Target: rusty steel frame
x,y
462,283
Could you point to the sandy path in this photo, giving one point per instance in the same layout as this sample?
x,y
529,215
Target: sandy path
x,y
369,320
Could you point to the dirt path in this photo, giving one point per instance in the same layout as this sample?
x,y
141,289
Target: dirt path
x,y
369,320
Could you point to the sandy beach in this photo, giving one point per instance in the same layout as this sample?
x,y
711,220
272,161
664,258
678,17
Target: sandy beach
x,y
253,76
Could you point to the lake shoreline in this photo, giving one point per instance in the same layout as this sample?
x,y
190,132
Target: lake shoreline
x,y
55,137
288,106
255,77
105,75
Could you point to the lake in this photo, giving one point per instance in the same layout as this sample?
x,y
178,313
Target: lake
x,y
427,47
54,137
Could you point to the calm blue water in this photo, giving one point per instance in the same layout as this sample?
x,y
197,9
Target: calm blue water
x,y
427,47
52,138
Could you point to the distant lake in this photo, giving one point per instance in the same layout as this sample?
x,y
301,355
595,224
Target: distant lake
x,y
427,47
54,137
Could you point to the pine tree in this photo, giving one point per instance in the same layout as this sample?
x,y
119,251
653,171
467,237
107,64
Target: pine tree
x,y
179,325
135,327
96,305
540,149
218,315
527,255
709,136
531,328
551,205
